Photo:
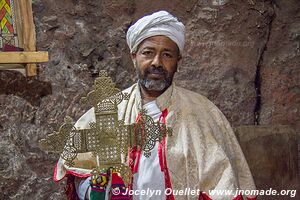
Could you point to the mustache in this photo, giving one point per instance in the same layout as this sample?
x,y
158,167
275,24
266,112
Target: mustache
x,y
155,70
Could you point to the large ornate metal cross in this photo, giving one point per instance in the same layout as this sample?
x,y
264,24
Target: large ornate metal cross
x,y
107,138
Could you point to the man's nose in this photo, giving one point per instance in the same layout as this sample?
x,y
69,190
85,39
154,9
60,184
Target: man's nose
x,y
157,61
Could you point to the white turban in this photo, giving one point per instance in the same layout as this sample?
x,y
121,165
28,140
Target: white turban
x,y
159,23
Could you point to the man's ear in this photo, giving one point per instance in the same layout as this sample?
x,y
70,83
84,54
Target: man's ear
x,y
133,58
179,58
178,63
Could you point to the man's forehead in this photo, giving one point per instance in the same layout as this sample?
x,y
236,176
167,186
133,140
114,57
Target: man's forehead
x,y
159,41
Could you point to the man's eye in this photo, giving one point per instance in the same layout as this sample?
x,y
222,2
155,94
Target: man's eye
x,y
168,55
147,53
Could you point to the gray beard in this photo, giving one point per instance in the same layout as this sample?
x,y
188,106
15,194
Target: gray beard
x,y
154,85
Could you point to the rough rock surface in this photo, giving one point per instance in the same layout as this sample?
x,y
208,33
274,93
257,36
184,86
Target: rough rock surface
x,y
279,165
243,55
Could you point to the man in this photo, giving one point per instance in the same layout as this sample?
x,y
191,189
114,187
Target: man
x,y
202,153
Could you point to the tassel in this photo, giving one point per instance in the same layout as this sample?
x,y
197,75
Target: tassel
x,y
98,186
70,189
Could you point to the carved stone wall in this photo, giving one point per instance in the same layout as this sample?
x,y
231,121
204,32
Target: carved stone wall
x,y
243,55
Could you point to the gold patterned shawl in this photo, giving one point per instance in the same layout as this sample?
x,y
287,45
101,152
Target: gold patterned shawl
x,y
202,153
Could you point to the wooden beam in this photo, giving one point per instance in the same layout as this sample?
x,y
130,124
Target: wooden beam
x,y
12,66
24,57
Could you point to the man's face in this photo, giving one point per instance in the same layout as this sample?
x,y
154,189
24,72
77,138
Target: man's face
x,y
156,62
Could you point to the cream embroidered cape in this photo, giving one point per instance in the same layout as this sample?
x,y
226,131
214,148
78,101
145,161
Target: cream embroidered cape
x,y
203,152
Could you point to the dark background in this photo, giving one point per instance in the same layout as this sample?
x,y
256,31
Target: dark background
x,y
242,54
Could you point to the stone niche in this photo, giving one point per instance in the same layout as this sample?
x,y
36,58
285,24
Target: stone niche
x,y
271,152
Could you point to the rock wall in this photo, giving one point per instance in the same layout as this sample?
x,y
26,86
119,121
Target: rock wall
x,y
277,163
242,54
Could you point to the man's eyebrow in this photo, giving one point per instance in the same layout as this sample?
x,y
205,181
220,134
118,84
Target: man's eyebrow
x,y
166,49
152,48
